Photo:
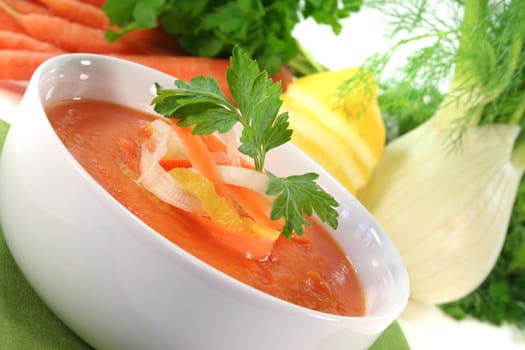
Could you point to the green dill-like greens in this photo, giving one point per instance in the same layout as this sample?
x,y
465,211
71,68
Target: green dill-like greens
x,y
212,28
479,56
201,103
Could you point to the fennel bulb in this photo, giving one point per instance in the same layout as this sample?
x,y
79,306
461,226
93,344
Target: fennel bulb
x,y
444,191
446,211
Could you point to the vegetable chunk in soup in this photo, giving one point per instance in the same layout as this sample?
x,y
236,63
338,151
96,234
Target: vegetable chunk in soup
x,y
310,270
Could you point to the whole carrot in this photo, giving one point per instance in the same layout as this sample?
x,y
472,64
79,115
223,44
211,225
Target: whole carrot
x,y
21,41
69,36
181,67
21,64
96,3
185,67
9,23
79,12
26,6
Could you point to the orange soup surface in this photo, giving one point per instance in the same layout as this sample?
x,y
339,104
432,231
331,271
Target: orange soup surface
x,y
311,271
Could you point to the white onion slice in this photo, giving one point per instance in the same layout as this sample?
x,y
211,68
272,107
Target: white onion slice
x,y
248,178
158,181
231,141
163,135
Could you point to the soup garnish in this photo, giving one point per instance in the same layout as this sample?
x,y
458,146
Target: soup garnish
x,y
203,174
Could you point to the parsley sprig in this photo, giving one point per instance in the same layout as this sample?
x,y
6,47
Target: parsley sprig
x,y
202,104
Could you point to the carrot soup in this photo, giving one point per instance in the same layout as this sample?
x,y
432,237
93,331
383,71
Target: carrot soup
x,y
310,270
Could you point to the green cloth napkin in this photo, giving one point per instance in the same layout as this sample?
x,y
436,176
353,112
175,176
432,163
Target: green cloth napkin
x,y
392,338
26,323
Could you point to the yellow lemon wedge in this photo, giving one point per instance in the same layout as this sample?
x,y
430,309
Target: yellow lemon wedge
x,y
337,121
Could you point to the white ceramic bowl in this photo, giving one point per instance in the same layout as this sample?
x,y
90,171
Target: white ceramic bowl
x,y
120,285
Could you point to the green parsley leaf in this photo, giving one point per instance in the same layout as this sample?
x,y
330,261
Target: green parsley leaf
x,y
297,196
259,102
201,103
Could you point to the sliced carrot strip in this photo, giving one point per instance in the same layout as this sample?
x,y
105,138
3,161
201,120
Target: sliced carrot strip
x,y
200,158
213,143
171,163
220,158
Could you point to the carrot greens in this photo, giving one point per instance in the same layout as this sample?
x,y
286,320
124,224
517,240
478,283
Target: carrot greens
x,y
212,28
200,103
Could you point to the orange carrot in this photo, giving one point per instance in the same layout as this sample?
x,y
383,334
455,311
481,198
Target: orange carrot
x,y
69,36
26,6
20,64
96,3
9,23
186,67
219,158
76,11
13,86
182,67
174,65
213,143
172,163
21,41
200,158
